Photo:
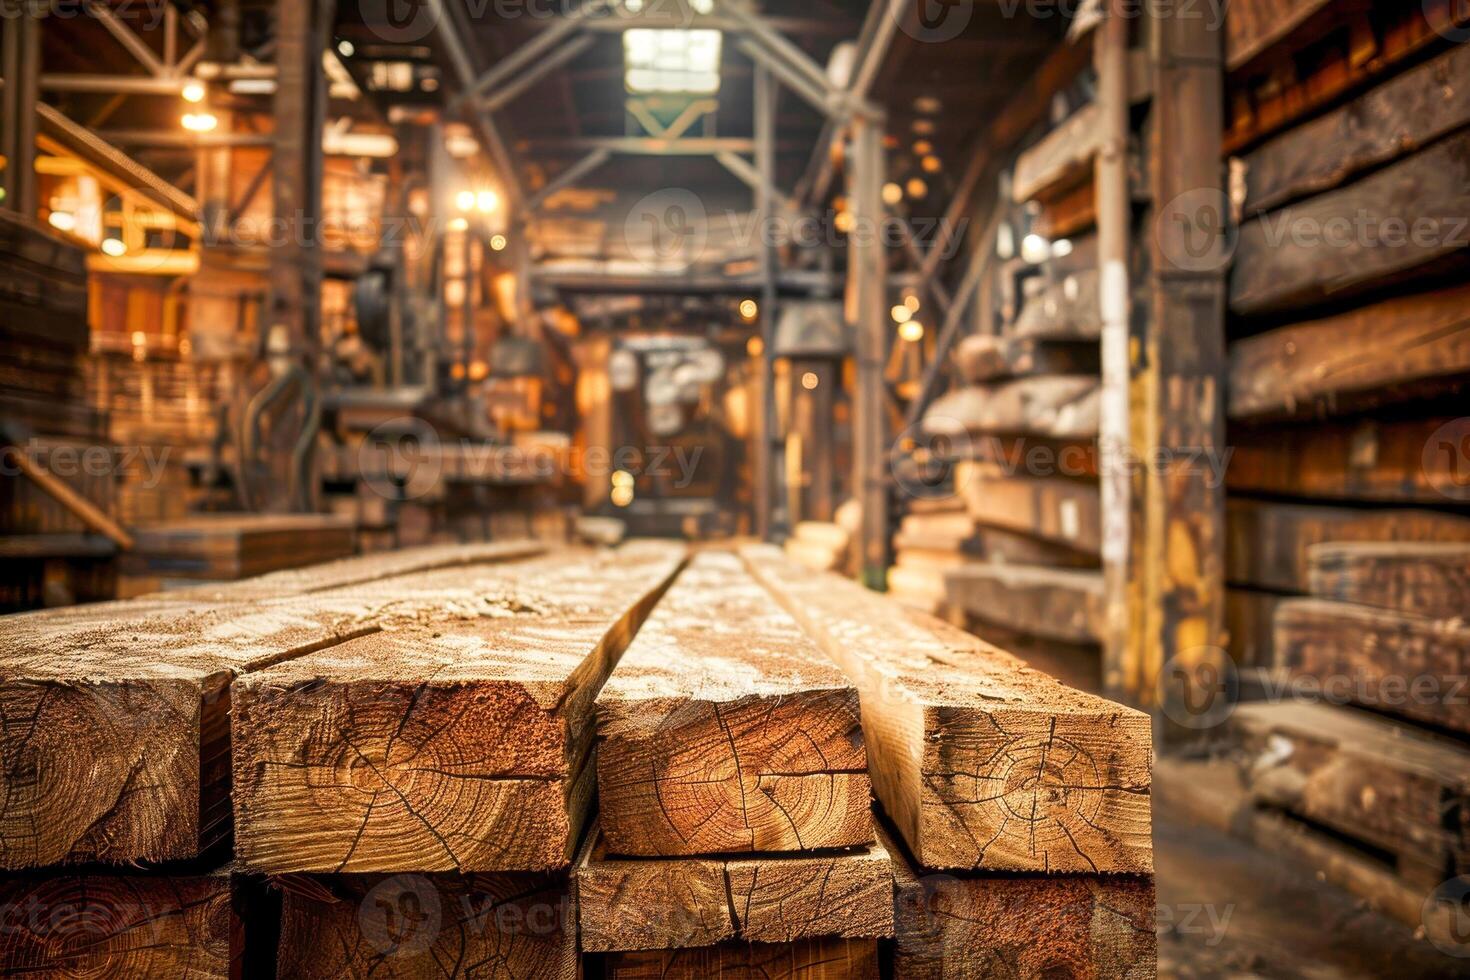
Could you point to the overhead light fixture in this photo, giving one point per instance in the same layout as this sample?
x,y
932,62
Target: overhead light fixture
x,y
913,331
809,381
498,243
685,62
113,247
902,314
62,220
917,188
465,200
346,48
749,310
487,202
193,91
199,122
1035,249
892,194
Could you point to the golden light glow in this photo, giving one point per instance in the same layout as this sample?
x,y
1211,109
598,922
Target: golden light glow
x,y
755,347
749,310
917,188
892,194
923,148
140,338
199,122
932,165
62,220
845,221
498,243
622,496
113,247
809,381
912,302
912,331
622,478
902,314
193,91
458,224
487,201
465,200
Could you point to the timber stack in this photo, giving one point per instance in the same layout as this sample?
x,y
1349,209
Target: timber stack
x,y
505,760
1348,515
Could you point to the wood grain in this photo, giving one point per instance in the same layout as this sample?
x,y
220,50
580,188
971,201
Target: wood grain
x,y
655,903
725,729
811,959
459,742
1405,665
1430,579
421,926
1053,603
980,761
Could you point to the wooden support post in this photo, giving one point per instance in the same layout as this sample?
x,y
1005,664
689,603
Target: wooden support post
x,y
1176,535
300,113
22,68
865,278
768,452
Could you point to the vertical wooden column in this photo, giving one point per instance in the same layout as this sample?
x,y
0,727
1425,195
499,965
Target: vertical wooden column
x,y
300,107
20,60
865,282
1115,282
1178,367
767,458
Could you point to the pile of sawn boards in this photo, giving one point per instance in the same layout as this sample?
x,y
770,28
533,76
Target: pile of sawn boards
x,y
496,760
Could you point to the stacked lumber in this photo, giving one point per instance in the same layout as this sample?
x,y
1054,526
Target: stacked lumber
x,y
227,547
732,775
934,537
1021,806
823,546
1348,519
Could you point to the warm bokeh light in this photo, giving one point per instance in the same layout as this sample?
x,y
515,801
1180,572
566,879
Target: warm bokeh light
x,y
749,309
913,331
809,381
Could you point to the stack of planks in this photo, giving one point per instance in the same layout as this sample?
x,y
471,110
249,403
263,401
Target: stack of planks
x,y
822,546
735,826
1348,519
225,547
934,537
1024,427
389,766
1020,808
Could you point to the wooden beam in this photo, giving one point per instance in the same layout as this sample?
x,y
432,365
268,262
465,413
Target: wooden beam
x,y
569,177
987,358
446,738
953,927
100,923
1062,604
809,959
1391,226
1062,158
1409,347
748,740
1175,538
1427,579
1055,406
1270,543
20,60
1391,120
956,722
1391,786
627,904
522,925
1056,509
1406,665
1068,309
80,507
1395,461
868,315
1256,25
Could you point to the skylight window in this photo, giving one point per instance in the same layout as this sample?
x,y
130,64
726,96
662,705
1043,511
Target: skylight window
x,y
672,61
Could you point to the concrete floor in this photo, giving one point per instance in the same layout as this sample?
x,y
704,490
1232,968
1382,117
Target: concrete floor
x,y
1227,910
